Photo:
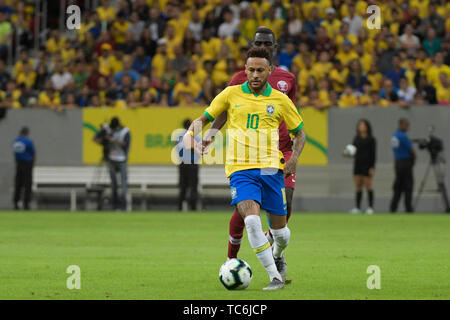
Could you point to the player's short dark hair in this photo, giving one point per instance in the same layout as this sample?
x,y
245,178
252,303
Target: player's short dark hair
x,y
187,123
264,30
259,52
402,120
24,131
115,123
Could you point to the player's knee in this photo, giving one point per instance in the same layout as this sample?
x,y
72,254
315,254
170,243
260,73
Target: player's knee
x,y
253,223
248,207
277,222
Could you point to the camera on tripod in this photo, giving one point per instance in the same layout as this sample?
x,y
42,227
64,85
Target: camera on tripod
x,y
103,135
432,144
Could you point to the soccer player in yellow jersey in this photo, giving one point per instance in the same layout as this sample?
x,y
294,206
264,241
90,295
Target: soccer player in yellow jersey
x,y
254,112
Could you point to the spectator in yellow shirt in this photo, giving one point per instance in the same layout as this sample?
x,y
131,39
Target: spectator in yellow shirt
x,y
364,57
331,24
249,23
273,23
178,21
344,34
50,99
338,75
365,99
13,92
68,53
303,51
26,76
107,61
55,43
374,77
436,69
346,55
8,101
323,66
172,39
304,74
235,43
443,90
377,100
261,7
423,62
106,11
185,92
196,73
210,46
119,28
323,94
347,98
159,59
23,59
422,7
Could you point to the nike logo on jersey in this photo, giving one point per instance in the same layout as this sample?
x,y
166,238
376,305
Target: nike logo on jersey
x,y
238,105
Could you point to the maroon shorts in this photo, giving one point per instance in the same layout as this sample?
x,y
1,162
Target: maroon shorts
x,y
289,181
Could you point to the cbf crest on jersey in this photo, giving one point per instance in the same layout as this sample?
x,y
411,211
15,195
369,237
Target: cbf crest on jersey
x,y
233,193
282,86
270,109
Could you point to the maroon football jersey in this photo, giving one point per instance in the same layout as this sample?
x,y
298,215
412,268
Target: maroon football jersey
x,y
283,81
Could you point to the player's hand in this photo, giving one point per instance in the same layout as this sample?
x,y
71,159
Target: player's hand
x,y
290,168
371,172
188,141
205,144
198,148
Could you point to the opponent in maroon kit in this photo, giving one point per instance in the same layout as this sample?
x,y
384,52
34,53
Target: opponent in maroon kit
x,y
285,82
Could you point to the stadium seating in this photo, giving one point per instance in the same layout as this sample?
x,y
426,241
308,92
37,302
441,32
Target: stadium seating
x,y
131,54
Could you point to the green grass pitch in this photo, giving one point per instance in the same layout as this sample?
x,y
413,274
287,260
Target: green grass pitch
x,y
168,255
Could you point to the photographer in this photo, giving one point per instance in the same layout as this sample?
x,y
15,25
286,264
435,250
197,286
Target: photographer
x,y
188,172
116,144
404,161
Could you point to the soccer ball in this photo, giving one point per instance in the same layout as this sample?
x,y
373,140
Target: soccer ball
x,y
350,150
235,274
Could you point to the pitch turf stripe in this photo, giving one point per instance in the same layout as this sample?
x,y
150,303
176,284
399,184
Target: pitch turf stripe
x,y
262,248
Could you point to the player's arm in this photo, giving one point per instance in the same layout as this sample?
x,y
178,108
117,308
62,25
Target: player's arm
x,y
195,128
297,148
294,123
218,106
218,124
220,120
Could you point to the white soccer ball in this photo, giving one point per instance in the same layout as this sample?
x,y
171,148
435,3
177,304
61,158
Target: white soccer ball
x,y
235,274
350,150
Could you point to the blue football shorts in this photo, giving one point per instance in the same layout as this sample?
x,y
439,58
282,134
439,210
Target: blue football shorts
x,y
267,188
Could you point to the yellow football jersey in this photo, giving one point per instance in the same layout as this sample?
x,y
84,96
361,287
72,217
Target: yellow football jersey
x,y
253,121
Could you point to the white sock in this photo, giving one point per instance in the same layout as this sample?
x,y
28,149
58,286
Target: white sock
x,y
281,240
260,245
269,237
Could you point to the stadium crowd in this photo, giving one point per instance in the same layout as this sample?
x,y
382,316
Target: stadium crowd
x,y
141,53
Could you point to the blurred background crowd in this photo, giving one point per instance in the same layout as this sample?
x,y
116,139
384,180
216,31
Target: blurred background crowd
x,y
143,53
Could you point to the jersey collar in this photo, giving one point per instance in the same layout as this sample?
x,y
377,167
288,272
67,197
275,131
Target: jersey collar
x,y
266,92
